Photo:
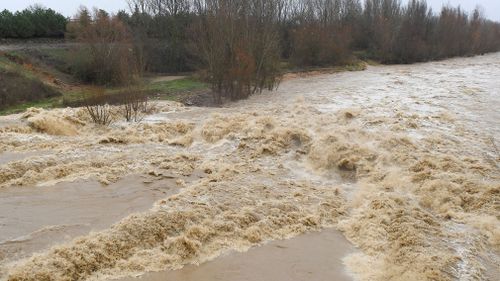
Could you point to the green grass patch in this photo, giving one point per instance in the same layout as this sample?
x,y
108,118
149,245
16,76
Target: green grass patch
x,y
173,90
5,63
21,88
54,58
12,62
55,53
161,89
44,103
176,86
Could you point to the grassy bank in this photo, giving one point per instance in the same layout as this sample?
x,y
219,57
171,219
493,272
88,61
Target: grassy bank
x,y
20,88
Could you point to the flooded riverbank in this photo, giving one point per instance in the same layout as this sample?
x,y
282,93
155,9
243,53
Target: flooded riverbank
x,y
402,160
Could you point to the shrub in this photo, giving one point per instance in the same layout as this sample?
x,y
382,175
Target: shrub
x,y
134,105
98,108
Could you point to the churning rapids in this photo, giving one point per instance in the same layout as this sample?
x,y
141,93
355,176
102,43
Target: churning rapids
x,y
402,160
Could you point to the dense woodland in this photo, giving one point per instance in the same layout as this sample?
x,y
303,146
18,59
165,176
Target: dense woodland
x,y
241,46
35,21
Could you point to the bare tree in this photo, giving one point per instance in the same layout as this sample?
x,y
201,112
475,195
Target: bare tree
x,y
134,105
324,33
106,54
412,43
98,108
160,7
381,21
238,43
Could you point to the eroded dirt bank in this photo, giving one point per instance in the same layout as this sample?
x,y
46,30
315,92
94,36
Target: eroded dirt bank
x,y
403,160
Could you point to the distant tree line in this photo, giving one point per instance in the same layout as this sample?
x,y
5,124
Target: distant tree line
x,y
34,21
239,45
324,32
394,33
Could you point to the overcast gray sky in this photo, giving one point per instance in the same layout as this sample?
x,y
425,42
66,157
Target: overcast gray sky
x,y
69,7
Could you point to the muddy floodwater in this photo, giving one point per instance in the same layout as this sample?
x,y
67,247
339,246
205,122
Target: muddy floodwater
x,y
386,174
313,256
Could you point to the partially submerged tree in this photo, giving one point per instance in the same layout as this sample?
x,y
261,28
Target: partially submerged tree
x,y
238,43
134,104
98,108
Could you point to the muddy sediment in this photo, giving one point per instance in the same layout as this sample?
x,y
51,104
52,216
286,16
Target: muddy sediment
x,y
406,170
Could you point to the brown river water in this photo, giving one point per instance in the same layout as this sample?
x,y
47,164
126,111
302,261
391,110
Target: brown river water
x,y
387,174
